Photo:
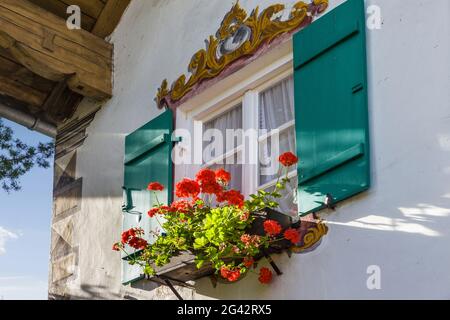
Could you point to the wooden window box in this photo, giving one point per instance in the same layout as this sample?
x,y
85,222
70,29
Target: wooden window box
x,y
182,268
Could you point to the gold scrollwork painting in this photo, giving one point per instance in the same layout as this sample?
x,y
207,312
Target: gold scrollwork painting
x,y
239,35
311,235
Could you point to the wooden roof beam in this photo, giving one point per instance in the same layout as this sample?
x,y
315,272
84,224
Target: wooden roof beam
x,y
42,43
110,17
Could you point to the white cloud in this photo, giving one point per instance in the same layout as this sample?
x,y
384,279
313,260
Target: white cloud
x,y
5,235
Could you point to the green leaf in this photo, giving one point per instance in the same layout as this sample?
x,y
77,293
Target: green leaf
x,y
200,263
200,243
276,195
210,234
148,270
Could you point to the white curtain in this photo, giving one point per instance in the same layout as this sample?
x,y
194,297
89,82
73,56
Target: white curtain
x,y
276,108
231,119
276,105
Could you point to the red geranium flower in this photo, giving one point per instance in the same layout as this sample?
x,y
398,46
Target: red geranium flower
x,y
223,176
246,239
221,197
164,209
207,181
248,262
234,276
256,240
292,235
272,227
233,197
224,272
288,159
182,206
127,235
265,276
244,216
116,247
155,186
211,187
158,210
187,188
132,238
230,275
153,212
249,240
205,176
138,243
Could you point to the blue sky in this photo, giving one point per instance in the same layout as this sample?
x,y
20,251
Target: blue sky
x,y
25,230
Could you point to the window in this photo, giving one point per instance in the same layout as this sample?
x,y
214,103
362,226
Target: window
x,y
268,111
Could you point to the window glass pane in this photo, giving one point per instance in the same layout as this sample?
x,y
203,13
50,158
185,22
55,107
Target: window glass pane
x,y
229,121
268,161
276,105
288,202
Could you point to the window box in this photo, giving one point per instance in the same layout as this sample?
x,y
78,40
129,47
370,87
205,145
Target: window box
x,y
182,268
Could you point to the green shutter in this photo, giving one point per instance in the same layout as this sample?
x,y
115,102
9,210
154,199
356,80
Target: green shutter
x,y
147,159
331,107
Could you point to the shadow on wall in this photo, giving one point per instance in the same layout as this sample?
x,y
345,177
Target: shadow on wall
x,y
89,292
407,243
95,292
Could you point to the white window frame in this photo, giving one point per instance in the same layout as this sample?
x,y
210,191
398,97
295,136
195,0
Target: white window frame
x,y
242,87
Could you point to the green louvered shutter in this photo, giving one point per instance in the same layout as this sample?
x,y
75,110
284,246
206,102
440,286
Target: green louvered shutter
x,y
331,107
147,159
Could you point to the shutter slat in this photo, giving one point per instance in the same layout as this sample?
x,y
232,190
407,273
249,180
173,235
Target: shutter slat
x,y
332,163
341,31
146,148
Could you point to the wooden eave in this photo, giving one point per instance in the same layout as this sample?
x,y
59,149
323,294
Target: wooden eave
x,y
45,68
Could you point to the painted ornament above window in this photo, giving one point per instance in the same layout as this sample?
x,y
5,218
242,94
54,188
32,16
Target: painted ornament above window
x,y
239,37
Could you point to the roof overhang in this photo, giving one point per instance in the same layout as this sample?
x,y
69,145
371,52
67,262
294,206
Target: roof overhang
x,y
46,68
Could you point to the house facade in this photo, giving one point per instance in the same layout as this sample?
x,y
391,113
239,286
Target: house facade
x,y
358,89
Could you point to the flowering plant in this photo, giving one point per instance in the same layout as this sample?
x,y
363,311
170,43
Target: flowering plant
x,y
216,234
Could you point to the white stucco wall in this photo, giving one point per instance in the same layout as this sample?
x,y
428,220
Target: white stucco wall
x,y
402,224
